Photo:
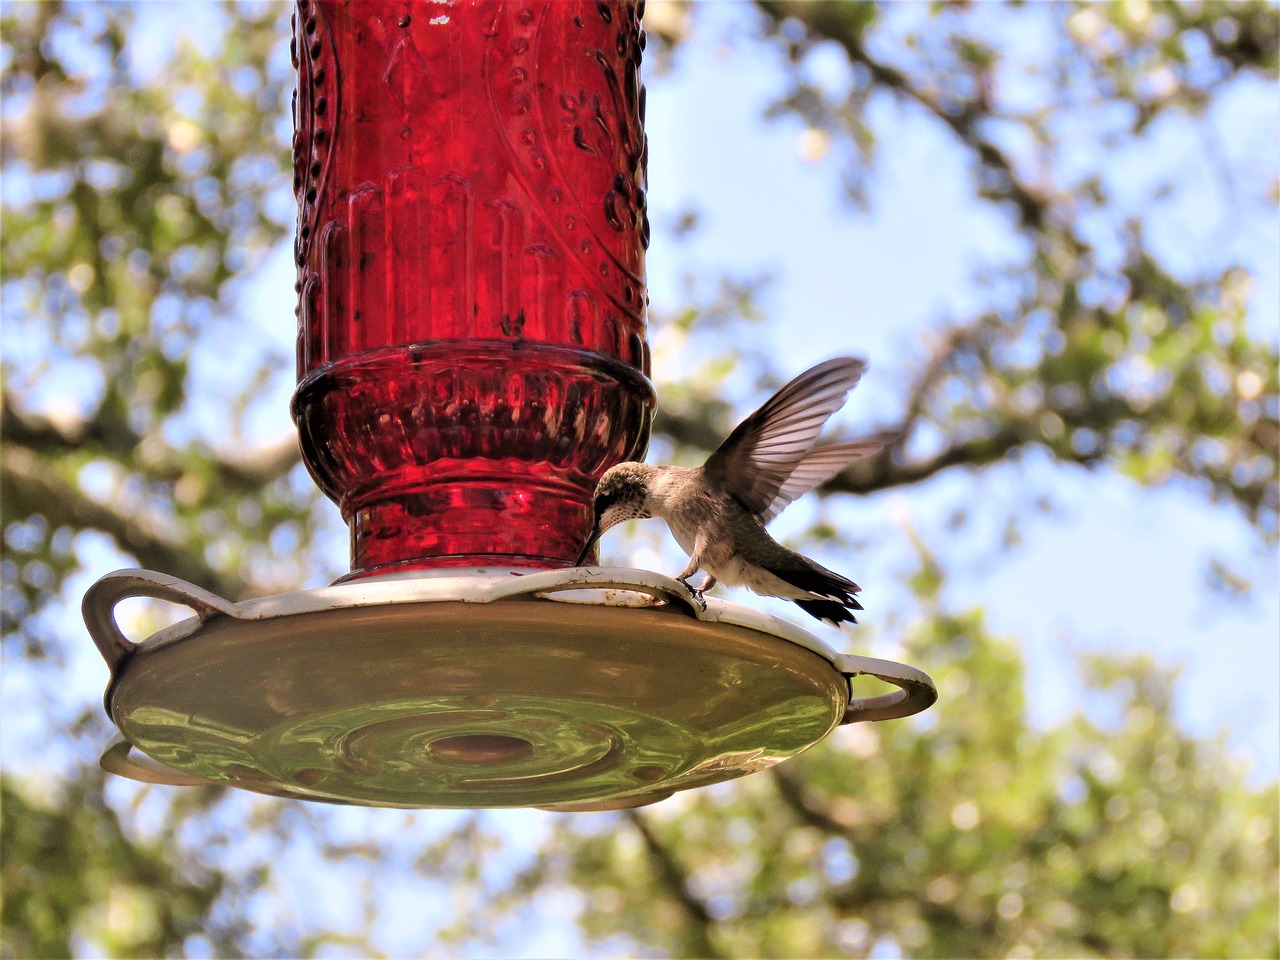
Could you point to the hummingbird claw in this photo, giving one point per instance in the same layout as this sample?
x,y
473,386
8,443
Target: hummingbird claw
x,y
695,592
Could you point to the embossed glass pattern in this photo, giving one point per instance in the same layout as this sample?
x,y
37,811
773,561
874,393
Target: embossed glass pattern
x,y
471,338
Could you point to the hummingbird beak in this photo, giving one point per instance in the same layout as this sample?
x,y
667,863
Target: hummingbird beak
x,y
591,542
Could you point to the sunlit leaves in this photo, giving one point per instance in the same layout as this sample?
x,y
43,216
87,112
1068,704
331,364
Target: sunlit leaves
x,y
1099,348
71,877
139,190
134,191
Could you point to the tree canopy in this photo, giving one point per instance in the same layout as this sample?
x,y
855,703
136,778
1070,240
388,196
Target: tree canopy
x,y
143,191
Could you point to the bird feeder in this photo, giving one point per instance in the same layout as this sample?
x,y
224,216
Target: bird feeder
x,y
470,179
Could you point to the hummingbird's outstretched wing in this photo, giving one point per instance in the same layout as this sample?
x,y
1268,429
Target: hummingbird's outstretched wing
x,y
821,464
760,456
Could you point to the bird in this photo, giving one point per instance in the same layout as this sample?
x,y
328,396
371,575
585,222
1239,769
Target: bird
x,y
717,512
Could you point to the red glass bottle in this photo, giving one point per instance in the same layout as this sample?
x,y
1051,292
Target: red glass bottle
x,y
471,337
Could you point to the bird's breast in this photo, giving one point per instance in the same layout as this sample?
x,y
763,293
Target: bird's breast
x,y
685,531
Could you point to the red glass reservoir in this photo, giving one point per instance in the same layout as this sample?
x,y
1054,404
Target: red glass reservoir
x,y
471,233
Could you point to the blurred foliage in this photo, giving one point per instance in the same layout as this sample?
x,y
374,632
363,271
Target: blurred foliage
x,y
69,873
964,832
131,204
138,199
1099,350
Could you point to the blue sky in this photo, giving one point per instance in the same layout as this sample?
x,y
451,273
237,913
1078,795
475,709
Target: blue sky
x,y
1115,567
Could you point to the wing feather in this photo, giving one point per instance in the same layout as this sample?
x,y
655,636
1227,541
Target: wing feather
x,y
759,457
821,464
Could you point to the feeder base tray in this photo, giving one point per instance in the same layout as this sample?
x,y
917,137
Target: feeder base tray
x,y
582,689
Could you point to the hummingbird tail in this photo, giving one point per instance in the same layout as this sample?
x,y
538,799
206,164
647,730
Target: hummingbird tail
x,y
828,611
833,596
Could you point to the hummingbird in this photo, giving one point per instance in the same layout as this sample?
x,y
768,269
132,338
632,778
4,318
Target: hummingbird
x,y
717,512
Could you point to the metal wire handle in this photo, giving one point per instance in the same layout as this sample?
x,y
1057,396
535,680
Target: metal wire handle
x,y
123,759
100,602
917,692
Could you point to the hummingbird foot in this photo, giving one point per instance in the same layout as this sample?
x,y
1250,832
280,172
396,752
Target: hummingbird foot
x,y
698,593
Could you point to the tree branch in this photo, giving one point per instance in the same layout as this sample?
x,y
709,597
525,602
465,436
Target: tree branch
x,y
831,21
687,430
882,473
806,806
698,918
31,485
885,470
245,473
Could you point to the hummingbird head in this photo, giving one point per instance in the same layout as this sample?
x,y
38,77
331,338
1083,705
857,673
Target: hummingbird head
x,y
620,495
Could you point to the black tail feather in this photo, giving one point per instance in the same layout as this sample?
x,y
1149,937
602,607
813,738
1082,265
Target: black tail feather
x,y
815,579
830,611
832,597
